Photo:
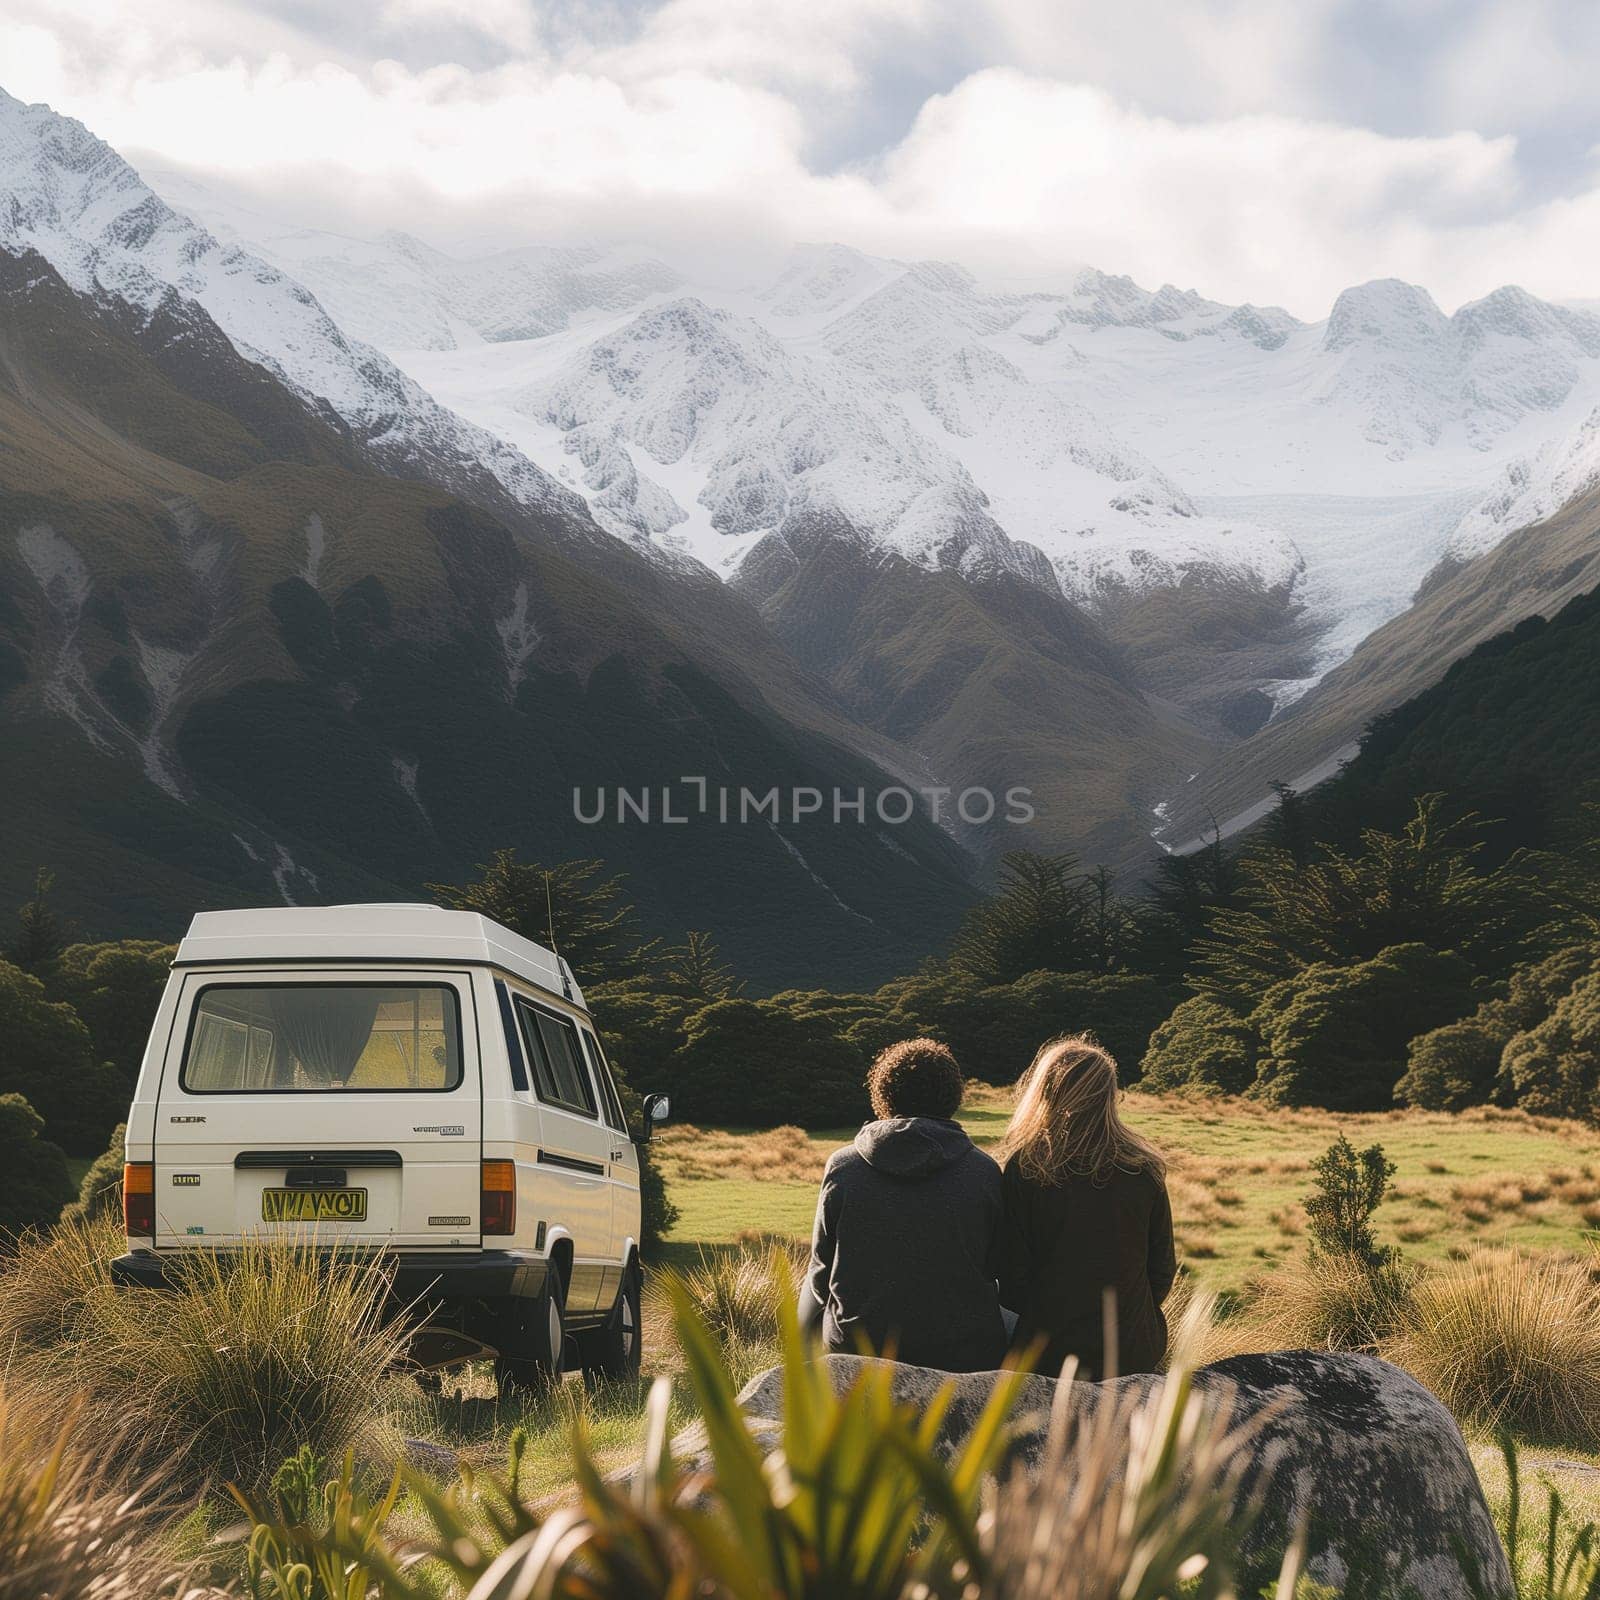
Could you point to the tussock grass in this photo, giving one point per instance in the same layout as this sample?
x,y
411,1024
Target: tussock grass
x,y
1416,1231
1510,1342
735,1294
1332,1302
47,1287
252,1353
1200,1333
66,1528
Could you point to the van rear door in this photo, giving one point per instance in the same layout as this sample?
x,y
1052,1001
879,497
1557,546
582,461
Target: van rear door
x,y
344,1103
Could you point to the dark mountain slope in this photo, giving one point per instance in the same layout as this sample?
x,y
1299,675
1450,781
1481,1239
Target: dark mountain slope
x,y
1512,731
1532,573
238,662
995,683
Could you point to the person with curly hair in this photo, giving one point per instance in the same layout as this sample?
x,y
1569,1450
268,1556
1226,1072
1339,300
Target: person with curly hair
x,y
904,1255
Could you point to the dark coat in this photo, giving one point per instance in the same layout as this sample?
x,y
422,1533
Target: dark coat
x,y
1065,1245
904,1250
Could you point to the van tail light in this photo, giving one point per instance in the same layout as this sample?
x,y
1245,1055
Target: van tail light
x,y
498,1208
139,1199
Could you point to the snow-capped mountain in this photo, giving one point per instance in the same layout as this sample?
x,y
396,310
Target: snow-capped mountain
x,y
74,200
1137,440
1101,441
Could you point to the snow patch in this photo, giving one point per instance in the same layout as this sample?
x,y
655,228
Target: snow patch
x,y
316,545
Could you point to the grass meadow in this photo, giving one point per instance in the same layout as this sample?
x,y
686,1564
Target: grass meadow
x,y
1238,1171
1495,1304
1484,1188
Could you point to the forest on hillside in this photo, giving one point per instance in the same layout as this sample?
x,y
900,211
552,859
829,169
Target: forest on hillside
x,y
1424,930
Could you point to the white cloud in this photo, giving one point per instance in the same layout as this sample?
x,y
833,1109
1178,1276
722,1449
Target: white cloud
x,y
825,46
1197,58
1262,207
692,128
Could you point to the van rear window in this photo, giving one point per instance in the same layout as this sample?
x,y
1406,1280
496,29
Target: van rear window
x,y
323,1038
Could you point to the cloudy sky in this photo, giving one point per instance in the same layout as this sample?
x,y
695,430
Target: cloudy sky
x,y
1264,150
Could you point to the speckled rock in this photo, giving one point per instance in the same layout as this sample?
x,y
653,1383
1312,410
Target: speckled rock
x,y
1373,1459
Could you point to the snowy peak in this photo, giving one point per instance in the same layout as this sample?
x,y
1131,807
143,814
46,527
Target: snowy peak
x,y
821,280
1418,376
1386,312
1094,437
1513,313
701,429
664,375
89,214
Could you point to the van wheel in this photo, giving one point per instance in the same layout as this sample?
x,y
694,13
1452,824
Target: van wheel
x,y
613,1351
538,1357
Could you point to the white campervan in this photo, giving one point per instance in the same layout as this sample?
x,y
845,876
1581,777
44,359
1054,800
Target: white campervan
x,y
407,1079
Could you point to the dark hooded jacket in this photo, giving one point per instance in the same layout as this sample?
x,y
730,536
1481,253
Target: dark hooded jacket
x,y
1066,1245
904,1254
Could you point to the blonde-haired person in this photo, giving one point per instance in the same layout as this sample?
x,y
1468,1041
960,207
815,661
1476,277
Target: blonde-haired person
x,y
1086,1211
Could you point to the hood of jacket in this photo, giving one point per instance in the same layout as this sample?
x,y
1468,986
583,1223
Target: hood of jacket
x,y
911,1147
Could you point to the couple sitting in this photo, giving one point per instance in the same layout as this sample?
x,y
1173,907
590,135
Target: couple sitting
x,y
921,1238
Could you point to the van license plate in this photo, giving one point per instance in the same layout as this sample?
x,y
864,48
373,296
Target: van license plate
x,y
313,1205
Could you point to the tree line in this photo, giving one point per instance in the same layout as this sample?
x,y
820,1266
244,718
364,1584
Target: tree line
x,y
1410,967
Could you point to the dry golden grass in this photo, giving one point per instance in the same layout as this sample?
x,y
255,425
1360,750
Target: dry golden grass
x,y
1510,1341
1416,1231
1192,1315
736,1296
1331,1303
254,1352
67,1529
47,1287
783,1155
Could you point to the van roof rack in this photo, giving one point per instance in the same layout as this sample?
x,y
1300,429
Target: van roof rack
x,y
381,933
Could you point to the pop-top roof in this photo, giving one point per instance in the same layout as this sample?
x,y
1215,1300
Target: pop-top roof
x,y
375,933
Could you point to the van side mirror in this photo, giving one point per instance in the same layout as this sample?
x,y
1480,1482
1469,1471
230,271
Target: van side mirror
x,y
657,1108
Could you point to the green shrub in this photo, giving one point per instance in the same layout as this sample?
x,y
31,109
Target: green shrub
x,y
755,1064
1202,1045
115,988
995,1029
1456,1066
34,1183
1349,1189
1554,1069
641,1025
1336,1036
47,1056
100,1193
1462,1063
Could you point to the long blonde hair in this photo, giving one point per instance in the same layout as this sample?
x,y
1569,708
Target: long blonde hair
x,y
1066,1122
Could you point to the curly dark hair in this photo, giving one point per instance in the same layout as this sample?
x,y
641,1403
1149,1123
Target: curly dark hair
x,y
915,1078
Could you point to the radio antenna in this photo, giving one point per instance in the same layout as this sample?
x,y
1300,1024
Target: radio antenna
x,y
550,925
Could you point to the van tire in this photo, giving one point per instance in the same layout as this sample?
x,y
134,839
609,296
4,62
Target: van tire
x,y
537,1359
613,1351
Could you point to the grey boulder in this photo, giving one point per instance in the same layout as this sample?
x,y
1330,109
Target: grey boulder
x,y
1371,1459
